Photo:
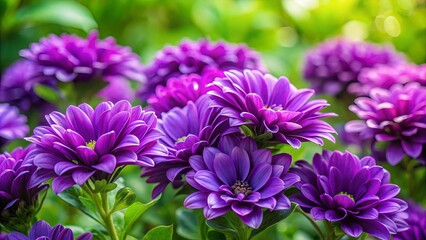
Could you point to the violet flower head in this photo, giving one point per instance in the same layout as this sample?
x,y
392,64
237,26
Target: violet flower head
x,y
117,89
239,178
354,194
187,132
18,83
42,230
417,222
197,57
18,200
396,117
333,65
180,90
12,124
95,144
71,58
273,109
385,77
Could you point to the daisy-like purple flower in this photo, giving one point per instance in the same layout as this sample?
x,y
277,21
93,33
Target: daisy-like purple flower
x,y
416,221
180,90
42,230
351,192
71,58
274,107
12,124
239,177
197,57
396,116
386,76
18,200
18,83
96,144
333,65
187,132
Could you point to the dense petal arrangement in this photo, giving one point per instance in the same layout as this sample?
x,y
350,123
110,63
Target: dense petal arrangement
x,y
416,221
386,76
197,57
71,58
18,83
12,124
396,116
18,200
180,90
273,107
333,65
41,230
239,177
351,192
94,143
187,132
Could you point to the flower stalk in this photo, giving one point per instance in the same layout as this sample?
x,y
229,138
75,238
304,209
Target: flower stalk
x,y
312,221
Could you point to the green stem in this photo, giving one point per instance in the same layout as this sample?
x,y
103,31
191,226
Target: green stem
x,y
330,231
312,221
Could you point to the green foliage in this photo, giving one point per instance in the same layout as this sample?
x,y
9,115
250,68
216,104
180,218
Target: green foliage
x,y
160,233
271,218
134,212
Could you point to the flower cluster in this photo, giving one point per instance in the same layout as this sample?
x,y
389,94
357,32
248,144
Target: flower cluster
x,y
18,199
333,65
42,230
94,143
396,116
12,124
272,108
386,76
241,178
354,193
199,58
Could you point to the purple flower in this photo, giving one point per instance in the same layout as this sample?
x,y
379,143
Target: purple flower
x,y
187,132
116,90
354,193
12,124
334,64
239,177
180,90
396,116
386,76
417,222
272,107
42,230
18,200
18,83
96,144
197,57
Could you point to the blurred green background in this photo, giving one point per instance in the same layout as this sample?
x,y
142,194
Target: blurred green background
x,y
280,30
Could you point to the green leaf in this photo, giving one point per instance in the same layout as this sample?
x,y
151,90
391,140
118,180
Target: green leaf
x,y
215,235
103,186
47,93
134,212
124,198
159,233
65,13
88,203
72,196
227,224
271,218
186,226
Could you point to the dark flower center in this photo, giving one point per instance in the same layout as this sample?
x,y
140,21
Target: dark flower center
x,y
91,144
348,195
182,139
242,187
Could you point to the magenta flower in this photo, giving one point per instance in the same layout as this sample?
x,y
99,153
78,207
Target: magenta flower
x,y
187,132
239,177
94,144
180,90
333,65
274,107
117,89
18,200
71,58
396,117
354,193
41,230
197,57
18,83
386,76
416,221
12,124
